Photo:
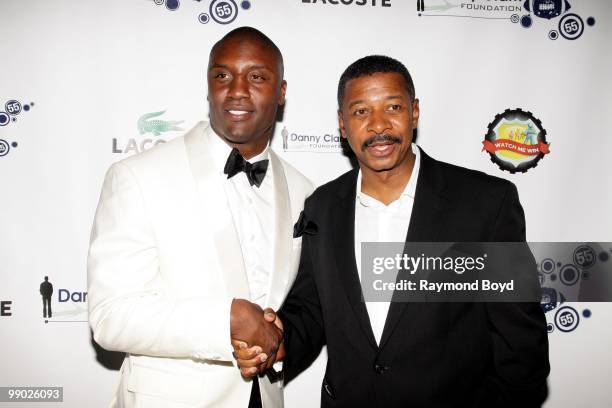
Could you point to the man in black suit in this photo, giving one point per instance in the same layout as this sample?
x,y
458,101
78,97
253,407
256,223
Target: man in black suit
x,y
402,354
46,290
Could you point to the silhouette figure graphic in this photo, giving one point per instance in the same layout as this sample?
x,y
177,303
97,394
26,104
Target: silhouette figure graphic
x,y
285,136
46,290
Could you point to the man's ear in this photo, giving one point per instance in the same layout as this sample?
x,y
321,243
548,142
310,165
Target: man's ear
x,y
341,124
415,113
283,91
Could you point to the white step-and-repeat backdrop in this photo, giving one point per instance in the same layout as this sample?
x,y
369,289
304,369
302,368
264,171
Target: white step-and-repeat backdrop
x,y
518,89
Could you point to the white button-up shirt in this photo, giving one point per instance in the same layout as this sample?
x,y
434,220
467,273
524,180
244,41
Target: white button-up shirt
x,y
252,209
377,222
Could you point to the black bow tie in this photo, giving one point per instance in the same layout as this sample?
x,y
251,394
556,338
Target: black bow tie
x,y
255,172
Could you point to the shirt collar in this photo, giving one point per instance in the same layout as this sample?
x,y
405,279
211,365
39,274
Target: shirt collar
x,y
220,150
409,190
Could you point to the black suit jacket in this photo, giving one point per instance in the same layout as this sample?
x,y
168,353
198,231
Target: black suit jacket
x,y
430,354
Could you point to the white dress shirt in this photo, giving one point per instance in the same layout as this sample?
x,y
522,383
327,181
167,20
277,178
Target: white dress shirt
x,y
377,222
252,208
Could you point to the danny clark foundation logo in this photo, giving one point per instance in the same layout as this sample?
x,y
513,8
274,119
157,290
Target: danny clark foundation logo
x,y
555,15
516,141
62,305
299,141
149,123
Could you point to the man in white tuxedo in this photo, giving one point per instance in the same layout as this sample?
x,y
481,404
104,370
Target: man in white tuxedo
x,y
188,232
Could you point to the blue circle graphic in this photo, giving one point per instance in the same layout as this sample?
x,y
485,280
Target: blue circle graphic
x,y
4,148
547,265
553,34
26,107
172,4
4,119
571,26
13,107
203,18
591,21
569,275
567,319
586,313
245,5
526,21
223,11
603,256
584,256
14,144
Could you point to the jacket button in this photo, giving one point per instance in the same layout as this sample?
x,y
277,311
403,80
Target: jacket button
x,y
379,369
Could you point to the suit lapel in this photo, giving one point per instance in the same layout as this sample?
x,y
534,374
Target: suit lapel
x,y
215,210
283,233
282,245
344,238
425,224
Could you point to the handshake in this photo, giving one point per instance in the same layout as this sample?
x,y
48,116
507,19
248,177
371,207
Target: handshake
x,y
257,337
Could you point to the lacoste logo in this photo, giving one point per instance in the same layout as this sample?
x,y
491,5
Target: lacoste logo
x,y
146,124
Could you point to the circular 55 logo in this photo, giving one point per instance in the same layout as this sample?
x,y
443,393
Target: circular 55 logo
x,y
223,11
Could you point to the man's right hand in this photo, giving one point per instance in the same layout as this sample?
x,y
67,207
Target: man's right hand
x,y
247,328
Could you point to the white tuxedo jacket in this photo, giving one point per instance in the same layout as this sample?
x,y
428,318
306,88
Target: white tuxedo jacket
x,y
164,265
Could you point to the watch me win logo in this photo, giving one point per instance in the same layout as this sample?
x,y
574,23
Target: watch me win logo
x,y
516,141
547,9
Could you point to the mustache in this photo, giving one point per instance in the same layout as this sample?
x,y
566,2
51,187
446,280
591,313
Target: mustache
x,y
380,138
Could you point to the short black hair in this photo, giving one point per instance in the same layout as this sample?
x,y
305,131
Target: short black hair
x,y
370,65
250,33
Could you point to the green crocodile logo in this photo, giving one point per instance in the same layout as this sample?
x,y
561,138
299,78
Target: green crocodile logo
x,y
146,124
